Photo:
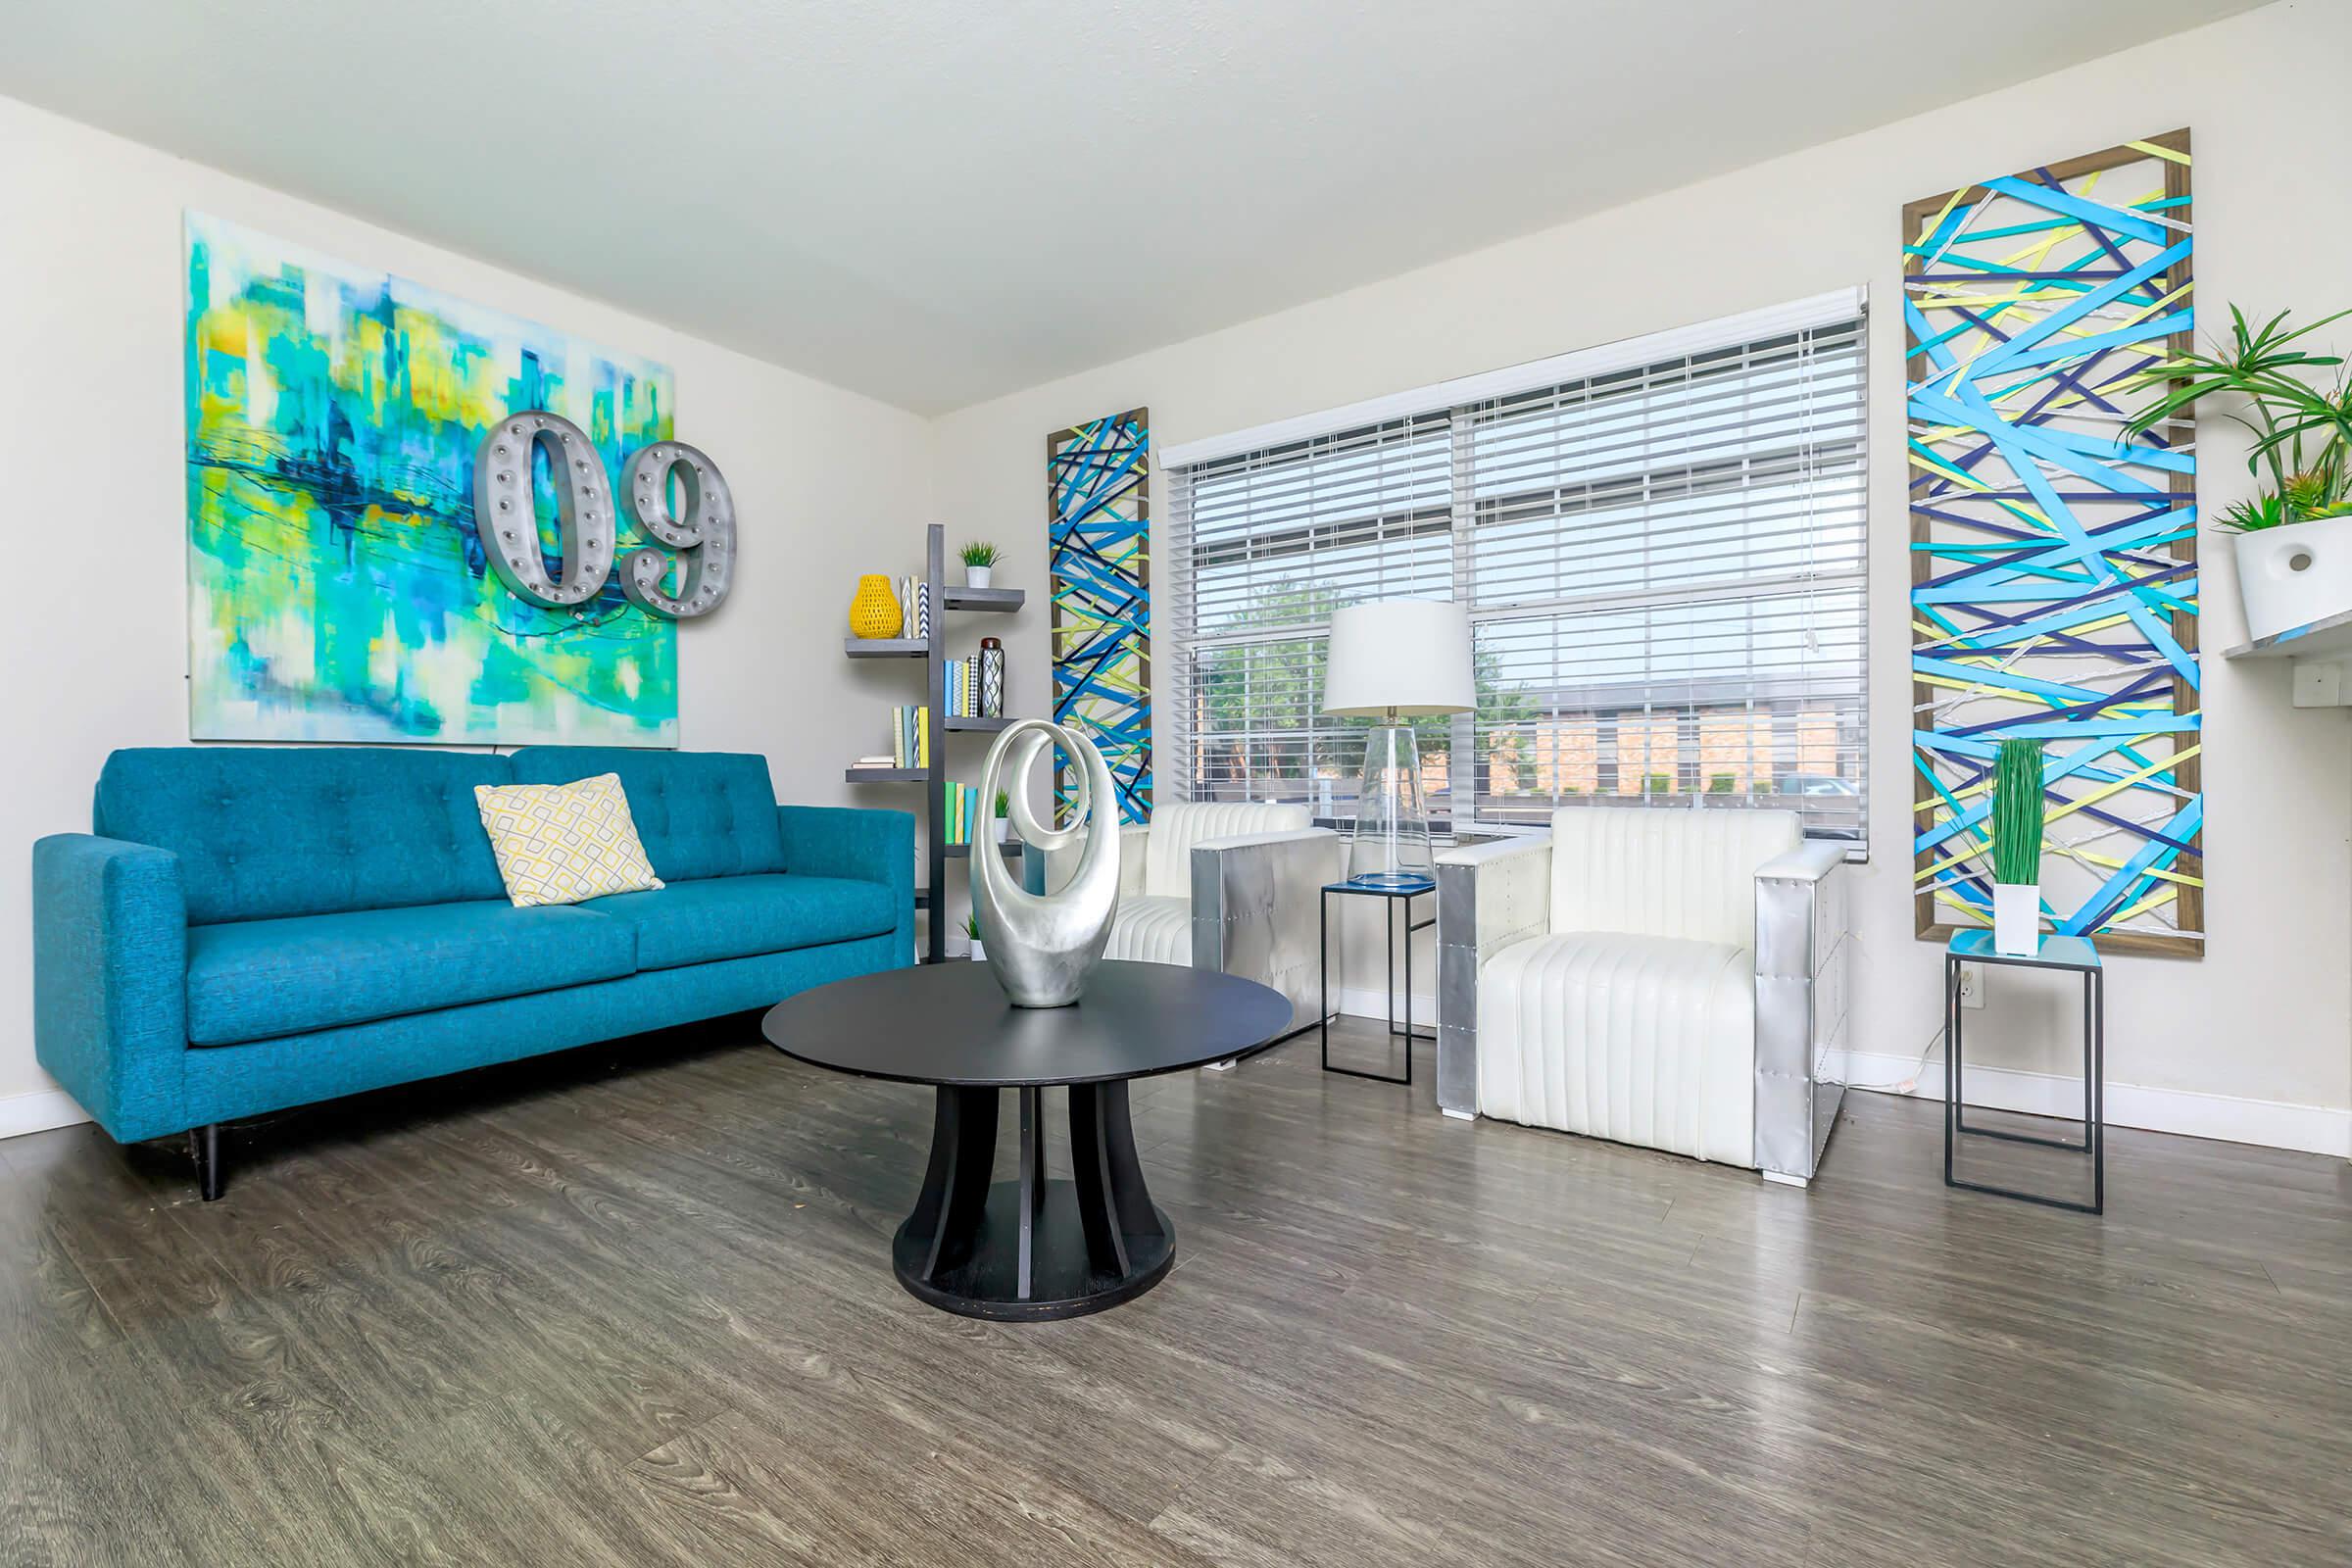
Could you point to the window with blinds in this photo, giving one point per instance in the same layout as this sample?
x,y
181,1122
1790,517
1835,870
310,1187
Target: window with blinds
x,y
1664,565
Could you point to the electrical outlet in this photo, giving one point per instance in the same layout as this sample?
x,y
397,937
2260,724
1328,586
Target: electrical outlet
x,y
1972,985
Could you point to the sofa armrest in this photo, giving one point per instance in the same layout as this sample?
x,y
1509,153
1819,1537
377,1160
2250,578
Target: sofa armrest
x,y
1490,896
1256,910
110,977
1804,982
859,844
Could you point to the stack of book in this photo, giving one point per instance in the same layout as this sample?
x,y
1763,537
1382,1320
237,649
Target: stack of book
x,y
963,687
910,740
962,813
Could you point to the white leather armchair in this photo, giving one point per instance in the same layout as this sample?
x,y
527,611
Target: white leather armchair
x,y
1668,978
1230,886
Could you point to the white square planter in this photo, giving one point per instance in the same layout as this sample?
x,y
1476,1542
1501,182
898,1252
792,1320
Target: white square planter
x,y
2017,919
2292,576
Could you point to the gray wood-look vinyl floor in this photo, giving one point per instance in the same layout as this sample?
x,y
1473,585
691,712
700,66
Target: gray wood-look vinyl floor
x,y
634,1307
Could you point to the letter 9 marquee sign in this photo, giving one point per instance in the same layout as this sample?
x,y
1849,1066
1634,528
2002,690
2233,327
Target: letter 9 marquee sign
x,y
704,537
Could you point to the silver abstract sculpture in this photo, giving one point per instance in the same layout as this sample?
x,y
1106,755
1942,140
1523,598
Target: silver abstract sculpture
x,y
1041,947
510,532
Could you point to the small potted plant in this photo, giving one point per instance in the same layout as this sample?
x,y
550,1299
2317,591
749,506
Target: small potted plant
x,y
2294,535
980,563
1004,817
2017,848
971,928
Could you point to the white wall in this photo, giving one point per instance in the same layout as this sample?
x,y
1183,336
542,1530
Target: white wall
x,y
2268,1014
90,429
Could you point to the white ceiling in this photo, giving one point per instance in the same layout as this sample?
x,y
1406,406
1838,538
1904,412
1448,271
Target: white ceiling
x,y
938,202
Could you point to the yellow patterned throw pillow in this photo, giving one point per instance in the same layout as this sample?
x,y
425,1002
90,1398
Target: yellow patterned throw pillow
x,y
564,843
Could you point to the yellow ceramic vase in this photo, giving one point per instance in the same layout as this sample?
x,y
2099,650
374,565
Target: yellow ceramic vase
x,y
874,612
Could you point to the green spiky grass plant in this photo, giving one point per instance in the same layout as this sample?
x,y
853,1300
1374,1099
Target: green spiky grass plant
x,y
980,554
2016,813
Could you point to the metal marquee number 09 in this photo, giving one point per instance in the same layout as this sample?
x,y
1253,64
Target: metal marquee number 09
x,y
704,537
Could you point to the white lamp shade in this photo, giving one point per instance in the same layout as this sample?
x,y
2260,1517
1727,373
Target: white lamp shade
x,y
1410,654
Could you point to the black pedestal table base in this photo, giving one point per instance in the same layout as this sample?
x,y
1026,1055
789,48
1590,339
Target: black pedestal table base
x,y
1033,1249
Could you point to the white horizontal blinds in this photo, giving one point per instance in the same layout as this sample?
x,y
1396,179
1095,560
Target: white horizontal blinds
x,y
1267,545
1663,559
1665,567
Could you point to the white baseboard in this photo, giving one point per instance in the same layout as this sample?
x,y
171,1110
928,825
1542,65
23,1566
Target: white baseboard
x,y
2276,1124
1375,1004
38,1111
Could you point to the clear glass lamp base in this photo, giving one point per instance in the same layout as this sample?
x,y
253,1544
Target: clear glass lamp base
x,y
1390,849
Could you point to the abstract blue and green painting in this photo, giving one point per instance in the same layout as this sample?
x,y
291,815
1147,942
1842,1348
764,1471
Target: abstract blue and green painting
x,y
1098,561
2054,586
336,588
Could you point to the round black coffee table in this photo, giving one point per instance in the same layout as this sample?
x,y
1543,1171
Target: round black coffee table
x,y
1031,1249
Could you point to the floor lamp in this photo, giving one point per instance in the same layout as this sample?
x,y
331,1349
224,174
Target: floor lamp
x,y
1397,659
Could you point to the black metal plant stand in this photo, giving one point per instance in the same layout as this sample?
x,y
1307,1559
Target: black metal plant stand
x,y
1402,894
2070,955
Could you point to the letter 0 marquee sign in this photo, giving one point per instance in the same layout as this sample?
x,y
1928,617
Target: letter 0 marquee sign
x,y
704,537
2053,557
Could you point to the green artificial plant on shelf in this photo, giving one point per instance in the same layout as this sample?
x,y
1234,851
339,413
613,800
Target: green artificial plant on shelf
x,y
979,562
2302,428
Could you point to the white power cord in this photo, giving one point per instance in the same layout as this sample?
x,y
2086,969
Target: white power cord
x,y
1910,1084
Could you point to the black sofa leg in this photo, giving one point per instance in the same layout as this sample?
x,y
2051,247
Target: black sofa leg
x,y
204,1147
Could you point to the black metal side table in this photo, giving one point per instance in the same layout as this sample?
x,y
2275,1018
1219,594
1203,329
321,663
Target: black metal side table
x,y
2069,954
1395,893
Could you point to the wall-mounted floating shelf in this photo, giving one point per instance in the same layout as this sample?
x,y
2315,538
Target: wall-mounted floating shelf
x,y
2322,656
932,650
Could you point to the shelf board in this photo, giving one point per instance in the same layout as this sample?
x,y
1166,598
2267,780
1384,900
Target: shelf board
x,y
885,647
1002,600
884,775
983,726
963,852
2328,637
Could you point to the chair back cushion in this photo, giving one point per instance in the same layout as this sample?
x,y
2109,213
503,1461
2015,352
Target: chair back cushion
x,y
699,814
1177,826
263,832
1663,873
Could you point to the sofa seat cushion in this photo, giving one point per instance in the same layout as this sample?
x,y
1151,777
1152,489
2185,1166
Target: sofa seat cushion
x,y
1643,1040
256,979
710,918
1152,931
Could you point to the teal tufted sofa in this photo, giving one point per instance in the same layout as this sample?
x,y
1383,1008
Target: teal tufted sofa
x,y
248,929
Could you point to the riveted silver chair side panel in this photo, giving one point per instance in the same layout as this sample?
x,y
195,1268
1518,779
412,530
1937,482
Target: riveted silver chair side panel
x,y
1458,989
1802,986
1254,903
1489,896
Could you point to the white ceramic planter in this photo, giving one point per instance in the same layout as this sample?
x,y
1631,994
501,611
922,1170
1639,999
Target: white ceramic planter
x,y
978,576
979,950
1003,829
2292,576
2017,919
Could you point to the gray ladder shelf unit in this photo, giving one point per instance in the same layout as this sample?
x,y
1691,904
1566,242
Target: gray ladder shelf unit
x,y
934,779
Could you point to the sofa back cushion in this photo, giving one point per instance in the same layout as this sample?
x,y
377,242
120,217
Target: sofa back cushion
x,y
1663,873
263,832
1179,825
699,814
